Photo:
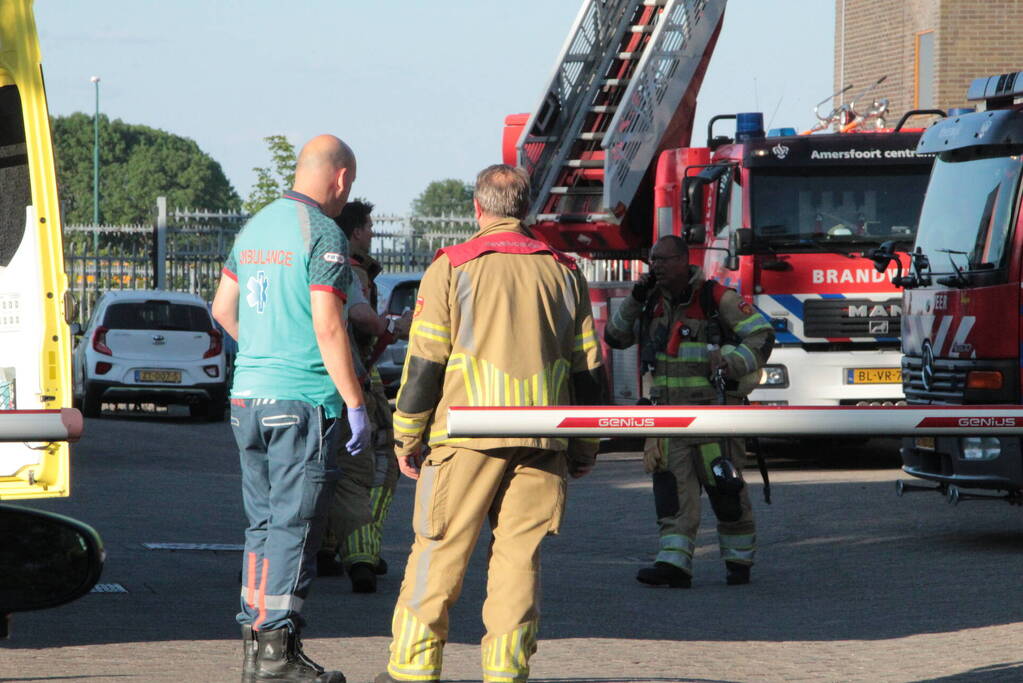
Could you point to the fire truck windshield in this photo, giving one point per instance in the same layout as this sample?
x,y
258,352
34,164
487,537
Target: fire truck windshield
x,y
966,216
819,209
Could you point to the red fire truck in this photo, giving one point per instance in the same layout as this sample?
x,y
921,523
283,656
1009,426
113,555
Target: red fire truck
x,y
784,220
961,306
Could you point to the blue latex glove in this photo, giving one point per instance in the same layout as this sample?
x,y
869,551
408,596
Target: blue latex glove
x,y
362,433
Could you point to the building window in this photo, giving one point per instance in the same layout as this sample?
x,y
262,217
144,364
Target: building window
x,y
923,72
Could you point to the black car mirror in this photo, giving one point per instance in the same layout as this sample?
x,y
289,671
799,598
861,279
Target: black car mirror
x,y
45,560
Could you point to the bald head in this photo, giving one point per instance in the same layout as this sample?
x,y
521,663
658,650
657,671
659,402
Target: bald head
x,y
325,171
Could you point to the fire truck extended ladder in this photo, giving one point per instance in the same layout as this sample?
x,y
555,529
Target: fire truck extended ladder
x,y
606,421
619,80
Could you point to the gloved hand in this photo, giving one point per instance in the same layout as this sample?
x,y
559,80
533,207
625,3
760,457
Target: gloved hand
x,y
362,432
582,456
653,458
641,290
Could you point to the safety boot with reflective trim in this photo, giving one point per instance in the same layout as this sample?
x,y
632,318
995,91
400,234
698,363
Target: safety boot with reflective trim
x,y
279,657
736,573
664,574
249,647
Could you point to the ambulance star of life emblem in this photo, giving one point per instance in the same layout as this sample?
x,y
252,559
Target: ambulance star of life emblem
x,y
258,285
927,366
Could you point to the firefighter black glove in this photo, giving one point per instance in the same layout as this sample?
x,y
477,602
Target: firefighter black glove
x,y
644,285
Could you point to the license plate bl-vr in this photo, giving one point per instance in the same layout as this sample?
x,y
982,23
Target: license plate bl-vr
x,y
158,376
873,376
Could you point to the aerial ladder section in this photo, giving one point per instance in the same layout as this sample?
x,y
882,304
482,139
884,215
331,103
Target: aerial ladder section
x,y
624,89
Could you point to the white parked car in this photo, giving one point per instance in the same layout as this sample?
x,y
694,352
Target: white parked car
x,y
147,346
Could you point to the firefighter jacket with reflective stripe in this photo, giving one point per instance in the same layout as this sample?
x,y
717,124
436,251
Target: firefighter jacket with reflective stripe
x,y
675,339
500,320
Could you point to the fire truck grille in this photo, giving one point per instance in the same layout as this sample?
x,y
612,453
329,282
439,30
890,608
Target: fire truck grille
x,y
947,383
851,318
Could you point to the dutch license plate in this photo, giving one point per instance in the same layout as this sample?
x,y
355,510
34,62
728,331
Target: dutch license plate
x,y
163,376
925,442
873,376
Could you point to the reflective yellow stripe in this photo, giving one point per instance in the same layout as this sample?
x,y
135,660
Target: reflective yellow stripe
x,y
585,341
681,382
458,362
421,328
476,381
688,352
749,325
505,659
410,422
416,653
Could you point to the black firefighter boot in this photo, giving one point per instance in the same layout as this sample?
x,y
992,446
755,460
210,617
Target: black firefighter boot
x,y
736,573
664,574
248,653
279,657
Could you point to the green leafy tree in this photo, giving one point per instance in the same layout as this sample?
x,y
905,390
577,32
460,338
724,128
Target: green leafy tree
x,y
272,181
137,165
443,198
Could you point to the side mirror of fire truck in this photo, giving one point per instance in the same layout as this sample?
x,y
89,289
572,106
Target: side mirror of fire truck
x,y
740,242
883,255
694,231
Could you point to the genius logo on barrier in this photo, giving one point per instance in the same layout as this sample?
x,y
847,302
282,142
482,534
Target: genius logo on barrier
x,y
952,422
624,422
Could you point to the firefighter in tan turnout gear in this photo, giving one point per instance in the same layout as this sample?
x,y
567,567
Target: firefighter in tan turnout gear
x,y
704,345
364,492
501,320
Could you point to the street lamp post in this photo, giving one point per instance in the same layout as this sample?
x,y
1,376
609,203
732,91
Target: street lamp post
x,y
95,169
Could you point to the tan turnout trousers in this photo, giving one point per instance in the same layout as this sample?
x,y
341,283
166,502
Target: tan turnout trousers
x,y
522,493
363,494
690,464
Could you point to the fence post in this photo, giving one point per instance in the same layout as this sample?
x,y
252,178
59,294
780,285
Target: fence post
x,y
160,246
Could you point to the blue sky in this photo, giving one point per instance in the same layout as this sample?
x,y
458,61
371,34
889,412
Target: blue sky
x,y
419,88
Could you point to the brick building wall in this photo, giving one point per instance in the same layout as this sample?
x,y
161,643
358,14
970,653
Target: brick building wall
x,y
971,38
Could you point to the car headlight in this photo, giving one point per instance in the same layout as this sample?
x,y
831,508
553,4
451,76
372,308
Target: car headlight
x,y
980,447
774,376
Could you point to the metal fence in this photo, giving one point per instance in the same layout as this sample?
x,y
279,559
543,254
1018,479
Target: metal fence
x,y
184,251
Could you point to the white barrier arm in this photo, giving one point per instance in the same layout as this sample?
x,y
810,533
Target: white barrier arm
x,y
608,421
65,424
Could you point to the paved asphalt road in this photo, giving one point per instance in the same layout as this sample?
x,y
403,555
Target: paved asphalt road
x,y
852,584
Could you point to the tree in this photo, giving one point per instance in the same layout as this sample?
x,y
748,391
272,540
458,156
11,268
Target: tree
x,y
445,198
449,197
137,165
271,182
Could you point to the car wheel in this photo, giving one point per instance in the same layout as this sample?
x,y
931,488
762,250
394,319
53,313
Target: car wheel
x,y
91,403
